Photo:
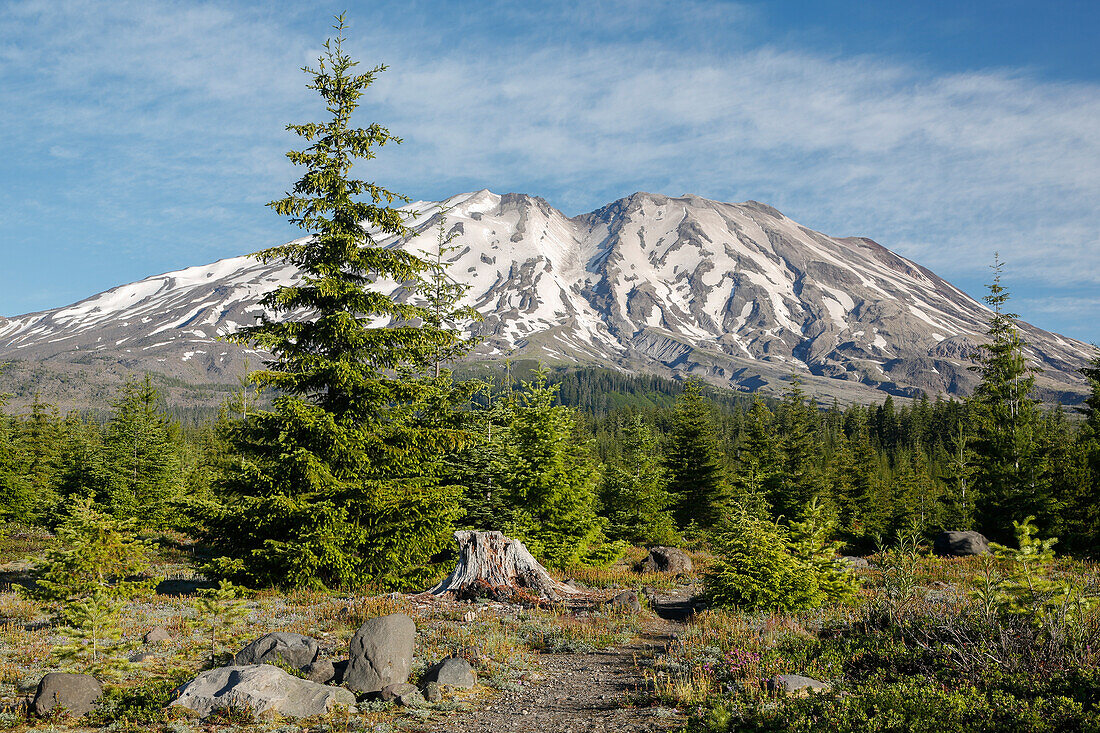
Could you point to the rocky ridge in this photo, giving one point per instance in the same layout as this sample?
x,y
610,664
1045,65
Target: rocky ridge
x,y
736,293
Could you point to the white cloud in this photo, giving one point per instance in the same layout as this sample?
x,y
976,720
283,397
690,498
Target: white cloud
x,y
943,168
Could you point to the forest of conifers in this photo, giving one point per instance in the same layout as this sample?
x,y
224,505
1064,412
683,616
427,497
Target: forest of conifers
x,y
641,459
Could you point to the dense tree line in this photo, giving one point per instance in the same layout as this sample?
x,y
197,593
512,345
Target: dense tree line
x,y
134,464
573,483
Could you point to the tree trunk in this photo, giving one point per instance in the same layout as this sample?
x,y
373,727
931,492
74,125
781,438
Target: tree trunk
x,y
492,565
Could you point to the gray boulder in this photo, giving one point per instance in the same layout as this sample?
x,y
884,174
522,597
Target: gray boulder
x,y
855,562
75,694
452,671
294,650
627,602
396,690
432,692
261,688
380,653
156,634
411,699
321,671
666,560
796,685
960,543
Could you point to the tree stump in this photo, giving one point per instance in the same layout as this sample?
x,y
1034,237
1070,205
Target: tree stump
x,y
492,565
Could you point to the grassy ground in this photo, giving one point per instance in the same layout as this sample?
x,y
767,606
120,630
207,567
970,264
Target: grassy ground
x,y
917,652
502,641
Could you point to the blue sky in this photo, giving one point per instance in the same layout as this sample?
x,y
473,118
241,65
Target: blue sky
x,y
141,137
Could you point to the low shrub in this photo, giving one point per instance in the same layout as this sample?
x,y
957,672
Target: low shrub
x,y
910,707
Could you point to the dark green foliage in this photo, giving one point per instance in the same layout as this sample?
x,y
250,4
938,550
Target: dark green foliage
x,y
761,565
696,479
633,496
1009,466
94,553
17,501
756,467
140,458
799,479
915,707
479,467
341,481
141,706
549,479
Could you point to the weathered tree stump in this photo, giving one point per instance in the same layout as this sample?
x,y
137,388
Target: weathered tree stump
x,y
492,565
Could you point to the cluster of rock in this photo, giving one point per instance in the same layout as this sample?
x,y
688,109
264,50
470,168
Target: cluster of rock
x,y
285,674
666,560
960,543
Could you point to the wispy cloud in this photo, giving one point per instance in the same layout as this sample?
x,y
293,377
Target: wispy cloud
x,y
189,100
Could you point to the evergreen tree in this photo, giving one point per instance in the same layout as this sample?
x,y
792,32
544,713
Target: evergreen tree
x,y
960,497
549,479
95,553
16,495
756,466
1091,408
1008,464
340,482
633,496
82,468
693,462
142,456
442,295
800,480
1086,502
39,442
479,467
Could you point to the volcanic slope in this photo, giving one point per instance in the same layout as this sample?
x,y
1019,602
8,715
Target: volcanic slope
x,y
738,294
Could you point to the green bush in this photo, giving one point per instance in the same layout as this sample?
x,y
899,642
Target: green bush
x,y
915,707
763,566
142,705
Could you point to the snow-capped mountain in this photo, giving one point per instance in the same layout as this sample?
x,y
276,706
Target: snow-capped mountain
x,y
737,293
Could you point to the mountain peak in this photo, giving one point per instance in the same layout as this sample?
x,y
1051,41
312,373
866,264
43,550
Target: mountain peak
x,y
736,293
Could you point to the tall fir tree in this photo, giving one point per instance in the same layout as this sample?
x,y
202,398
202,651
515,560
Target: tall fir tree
x,y
800,479
633,495
1086,506
16,496
756,462
549,479
141,447
696,479
1008,462
340,482
39,443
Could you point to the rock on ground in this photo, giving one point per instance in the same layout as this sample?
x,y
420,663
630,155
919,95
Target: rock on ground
x,y
263,689
74,693
855,562
156,634
960,543
796,685
666,560
396,690
626,601
380,653
295,650
452,671
321,671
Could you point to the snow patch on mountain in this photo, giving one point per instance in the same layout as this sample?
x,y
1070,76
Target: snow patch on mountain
x,y
688,285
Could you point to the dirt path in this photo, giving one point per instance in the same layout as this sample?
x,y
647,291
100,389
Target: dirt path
x,y
582,692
